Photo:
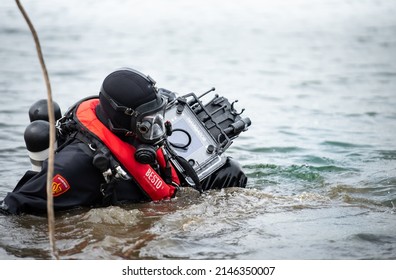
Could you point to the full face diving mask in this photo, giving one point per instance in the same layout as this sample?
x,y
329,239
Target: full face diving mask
x,y
149,124
146,121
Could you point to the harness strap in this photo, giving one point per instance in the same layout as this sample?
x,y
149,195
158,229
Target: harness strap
x,y
107,165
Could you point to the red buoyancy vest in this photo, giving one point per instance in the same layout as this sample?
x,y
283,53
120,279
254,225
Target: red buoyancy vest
x,y
149,180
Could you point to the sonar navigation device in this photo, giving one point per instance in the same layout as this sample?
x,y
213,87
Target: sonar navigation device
x,y
200,133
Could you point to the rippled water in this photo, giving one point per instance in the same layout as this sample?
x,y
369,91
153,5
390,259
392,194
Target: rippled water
x,y
317,78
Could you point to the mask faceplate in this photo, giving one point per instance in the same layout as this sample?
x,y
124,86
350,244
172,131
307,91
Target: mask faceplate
x,y
151,128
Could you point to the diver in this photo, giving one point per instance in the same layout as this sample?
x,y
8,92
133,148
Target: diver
x,y
110,151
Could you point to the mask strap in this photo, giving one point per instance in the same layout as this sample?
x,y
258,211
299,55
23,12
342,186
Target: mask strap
x,y
120,131
119,108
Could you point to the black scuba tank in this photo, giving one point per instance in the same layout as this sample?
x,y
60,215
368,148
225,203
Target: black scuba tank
x,y
36,134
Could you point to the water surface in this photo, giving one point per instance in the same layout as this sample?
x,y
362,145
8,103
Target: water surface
x,y
317,78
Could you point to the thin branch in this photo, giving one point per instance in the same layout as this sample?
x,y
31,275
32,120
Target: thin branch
x,y
51,117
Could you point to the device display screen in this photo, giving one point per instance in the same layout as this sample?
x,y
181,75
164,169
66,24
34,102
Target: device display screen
x,y
190,140
181,139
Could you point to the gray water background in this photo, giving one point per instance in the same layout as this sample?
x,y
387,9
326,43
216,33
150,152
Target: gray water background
x,y
317,78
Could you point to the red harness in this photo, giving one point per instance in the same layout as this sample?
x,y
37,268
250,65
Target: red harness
x,y
149,180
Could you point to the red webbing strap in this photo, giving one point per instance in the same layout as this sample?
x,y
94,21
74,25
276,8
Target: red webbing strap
x,y
149,180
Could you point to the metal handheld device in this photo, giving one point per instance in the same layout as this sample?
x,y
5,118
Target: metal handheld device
x,y
201,133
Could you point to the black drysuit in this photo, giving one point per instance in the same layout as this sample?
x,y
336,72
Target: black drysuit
x,y
74,163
